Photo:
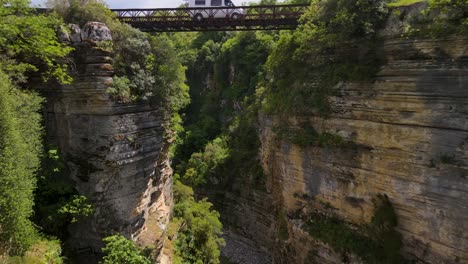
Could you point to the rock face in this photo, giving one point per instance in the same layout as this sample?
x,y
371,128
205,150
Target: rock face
x,y
410,129
116,152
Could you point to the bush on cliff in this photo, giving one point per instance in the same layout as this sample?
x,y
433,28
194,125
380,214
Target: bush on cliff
x,y
334,43
377,242
43,251
118,249
146,67
57,203
441,18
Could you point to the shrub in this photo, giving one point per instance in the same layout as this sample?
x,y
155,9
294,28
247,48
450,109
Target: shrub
x,y
378,242
120,90
441,18
42,251
203,165
57,203
306,65
29,44
146,67
118,249
305,136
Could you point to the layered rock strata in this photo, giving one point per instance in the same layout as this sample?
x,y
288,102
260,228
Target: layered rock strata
x,y
116,152
409,128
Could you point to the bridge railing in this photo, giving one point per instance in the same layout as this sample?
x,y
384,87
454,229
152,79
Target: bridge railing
x,y
212,18
275,11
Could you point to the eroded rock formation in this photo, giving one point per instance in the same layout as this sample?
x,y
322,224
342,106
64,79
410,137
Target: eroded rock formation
x,y
409,129
116,153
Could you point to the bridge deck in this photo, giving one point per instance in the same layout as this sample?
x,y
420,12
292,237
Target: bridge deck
x,y
213,18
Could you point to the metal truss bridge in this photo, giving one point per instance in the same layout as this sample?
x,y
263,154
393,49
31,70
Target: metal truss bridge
x,y
264,17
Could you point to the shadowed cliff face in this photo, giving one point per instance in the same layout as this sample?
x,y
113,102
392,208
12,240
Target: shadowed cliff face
x,y
116,152
409,131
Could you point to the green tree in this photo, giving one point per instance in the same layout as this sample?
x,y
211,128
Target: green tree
x,y
334,43
20,146
199,237
28,43
441,18
203,166
147,67
28,47
120,250
244,55
169,89
57,203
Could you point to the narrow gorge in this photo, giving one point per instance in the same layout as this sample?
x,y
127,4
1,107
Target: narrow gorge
x,y
400,136
342,141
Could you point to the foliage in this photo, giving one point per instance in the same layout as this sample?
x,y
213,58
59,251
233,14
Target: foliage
x,y
82,11
43,251
28,44
57,203
196,136
306,65
76,207
226,69
170,89
399,3
202,165
146,67
201,118
120,90
221,142
28,48
223,81
304,135
374,243
199,238
441,18
244,144
20,132
240,65
233,154
118,249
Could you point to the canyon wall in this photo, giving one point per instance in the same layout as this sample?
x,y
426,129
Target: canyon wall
x,y
409,134
116,153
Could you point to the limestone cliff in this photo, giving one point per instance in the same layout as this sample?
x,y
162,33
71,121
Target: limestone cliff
x,y
409,131
116,153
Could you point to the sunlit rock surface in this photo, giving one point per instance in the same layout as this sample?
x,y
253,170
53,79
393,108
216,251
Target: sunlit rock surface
x,y
409,126
116,153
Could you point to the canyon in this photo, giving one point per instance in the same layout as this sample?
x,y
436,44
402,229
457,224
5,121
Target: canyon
x,y
409,133
408,141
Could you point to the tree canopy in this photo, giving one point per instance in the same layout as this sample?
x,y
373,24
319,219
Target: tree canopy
x,y
29,44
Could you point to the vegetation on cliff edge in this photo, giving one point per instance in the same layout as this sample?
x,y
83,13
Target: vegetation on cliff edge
x,y
118,249
377,242
28,48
